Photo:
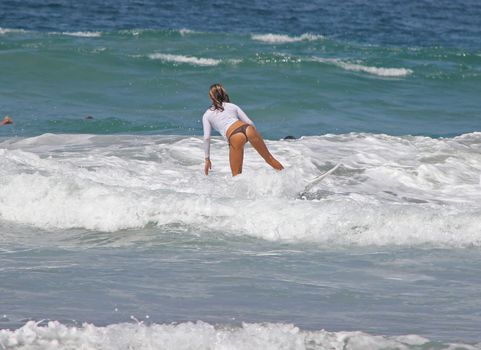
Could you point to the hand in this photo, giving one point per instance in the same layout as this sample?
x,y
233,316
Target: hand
x,y
7,120
207,166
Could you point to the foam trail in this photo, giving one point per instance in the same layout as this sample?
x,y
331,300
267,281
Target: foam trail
x,y
201,335
285,39
379,71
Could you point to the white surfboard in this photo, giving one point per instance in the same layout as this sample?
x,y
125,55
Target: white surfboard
x,y
319,178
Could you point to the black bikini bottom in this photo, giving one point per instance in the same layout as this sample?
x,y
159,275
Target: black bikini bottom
x,y
241,129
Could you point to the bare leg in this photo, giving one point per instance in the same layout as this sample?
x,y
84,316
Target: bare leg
x,y
236,153
258,143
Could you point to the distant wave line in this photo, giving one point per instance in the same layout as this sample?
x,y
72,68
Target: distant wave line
x,y
284,39
196,61
11,30
356,67
83,34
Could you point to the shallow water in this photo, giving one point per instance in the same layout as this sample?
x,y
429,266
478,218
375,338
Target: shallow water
x,y
163,275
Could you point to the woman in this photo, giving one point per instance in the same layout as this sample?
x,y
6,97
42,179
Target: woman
x,y
236,127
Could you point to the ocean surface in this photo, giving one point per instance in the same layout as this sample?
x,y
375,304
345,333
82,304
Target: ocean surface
x,y
111,237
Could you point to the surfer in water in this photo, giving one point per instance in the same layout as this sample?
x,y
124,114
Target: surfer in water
x,y
236,127
7,120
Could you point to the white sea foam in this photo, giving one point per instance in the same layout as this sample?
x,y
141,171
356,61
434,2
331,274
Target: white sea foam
x,y
384,72
137,31
389,190
11,30
133,32
84,34
380,71
200,335
196,61
185,31
284,39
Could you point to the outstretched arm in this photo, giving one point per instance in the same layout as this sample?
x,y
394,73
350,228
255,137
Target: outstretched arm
x,y
207,132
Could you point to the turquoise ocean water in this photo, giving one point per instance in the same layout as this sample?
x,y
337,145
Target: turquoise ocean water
x,y
155,81
111,237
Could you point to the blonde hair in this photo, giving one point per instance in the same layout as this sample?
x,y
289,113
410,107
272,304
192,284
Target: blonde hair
x,y
218,95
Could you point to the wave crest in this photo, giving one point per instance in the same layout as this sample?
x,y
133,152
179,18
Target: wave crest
x,y
389,190
11,30
284,39
379,71
192,60
201,335
196,61
83,34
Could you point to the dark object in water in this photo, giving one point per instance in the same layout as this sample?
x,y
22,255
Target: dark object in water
x,y
290,137
89,117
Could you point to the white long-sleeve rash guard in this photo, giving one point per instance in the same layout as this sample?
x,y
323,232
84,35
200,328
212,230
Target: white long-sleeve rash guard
x,y
220,121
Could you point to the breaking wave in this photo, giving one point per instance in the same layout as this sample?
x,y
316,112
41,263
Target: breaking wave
x,y
200,335
84,34
196,61
388,190
379,71
285,39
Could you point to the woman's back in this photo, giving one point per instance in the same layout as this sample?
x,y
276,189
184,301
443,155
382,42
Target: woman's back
x,y
221,120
